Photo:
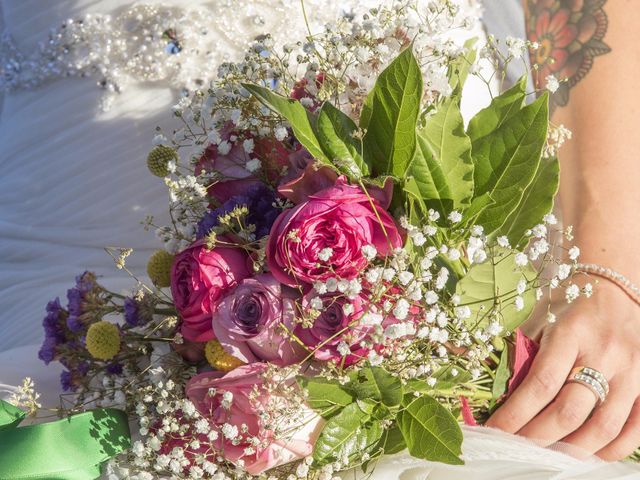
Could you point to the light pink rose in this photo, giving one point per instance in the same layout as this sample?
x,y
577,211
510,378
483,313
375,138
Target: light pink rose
x,y
248,322
334,326
245,409
341,217
200,278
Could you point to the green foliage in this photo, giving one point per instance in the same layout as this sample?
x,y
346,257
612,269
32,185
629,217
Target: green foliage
x,y
536,202
336,135
503,374
507,141
327,397
442,165
375,383
430,430
390,140
492,283
302,122
348,434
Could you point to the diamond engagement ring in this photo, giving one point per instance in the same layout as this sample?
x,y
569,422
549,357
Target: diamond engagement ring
x,y
593,380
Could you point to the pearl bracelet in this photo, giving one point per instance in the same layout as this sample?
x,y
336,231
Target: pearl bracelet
x,y
617,278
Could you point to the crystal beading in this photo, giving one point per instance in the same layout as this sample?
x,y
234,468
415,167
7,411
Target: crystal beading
x,y
616,278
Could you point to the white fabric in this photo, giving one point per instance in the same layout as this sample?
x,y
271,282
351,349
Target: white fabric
x,y
74,181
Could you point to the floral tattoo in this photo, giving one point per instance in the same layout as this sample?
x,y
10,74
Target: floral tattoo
x,y
570,35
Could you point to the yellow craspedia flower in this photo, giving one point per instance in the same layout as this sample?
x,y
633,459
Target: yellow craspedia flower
x,y
103,340
159,268
218,357
159,158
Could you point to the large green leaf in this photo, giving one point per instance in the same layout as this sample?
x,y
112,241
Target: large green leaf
x,y
494,282
390,141
536,201
302,121
430,431
502,107
506,162
442,165
365,113
324,395
375,383
335,133
349,434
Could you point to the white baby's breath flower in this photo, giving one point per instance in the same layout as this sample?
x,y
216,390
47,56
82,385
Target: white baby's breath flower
x,y
563,271
248,145
374,358
224,147
316,303
343,349
552,83
518,303
401,310
455,216
574,253
280,133
572,292
503,241
521,259
550,219
522,286
369,252
325,254
253,165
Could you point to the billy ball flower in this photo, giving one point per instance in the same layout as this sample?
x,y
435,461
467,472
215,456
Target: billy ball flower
x,y
103,340
159,158
159,268
218,358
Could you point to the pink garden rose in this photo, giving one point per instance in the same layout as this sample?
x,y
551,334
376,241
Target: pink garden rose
x,y
246,410
341,217
199,280
248,322
334,327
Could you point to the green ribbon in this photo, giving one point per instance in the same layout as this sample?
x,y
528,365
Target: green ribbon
x,y
73,448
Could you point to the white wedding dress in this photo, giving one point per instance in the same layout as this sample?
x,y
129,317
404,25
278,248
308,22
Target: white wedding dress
x,y
74,181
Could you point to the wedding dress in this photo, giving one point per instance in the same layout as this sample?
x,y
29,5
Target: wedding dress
x,y
74,181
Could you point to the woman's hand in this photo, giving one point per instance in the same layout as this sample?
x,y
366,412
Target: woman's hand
x,y
603,333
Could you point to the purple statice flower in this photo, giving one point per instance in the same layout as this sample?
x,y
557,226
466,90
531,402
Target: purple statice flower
x,y
66,380
114,369
258,199
75,296
54,334
132,312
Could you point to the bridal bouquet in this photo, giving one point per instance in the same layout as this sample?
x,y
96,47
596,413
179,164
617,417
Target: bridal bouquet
x,y
345,270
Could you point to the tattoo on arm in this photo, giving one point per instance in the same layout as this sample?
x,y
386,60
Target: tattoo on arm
x,y
570,34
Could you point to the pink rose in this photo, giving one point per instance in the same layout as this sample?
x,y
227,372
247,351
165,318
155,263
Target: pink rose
x,y
246,409
199,280
334,329
248,322
341,217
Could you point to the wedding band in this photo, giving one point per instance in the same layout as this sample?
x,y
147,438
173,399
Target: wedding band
x,y
592,379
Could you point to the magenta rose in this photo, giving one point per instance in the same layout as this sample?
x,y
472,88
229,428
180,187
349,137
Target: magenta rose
x,y
248,322
246,409
200,278
341,217
340,328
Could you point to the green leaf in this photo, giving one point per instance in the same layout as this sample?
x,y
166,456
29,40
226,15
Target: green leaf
x,y
478,205
335,134
325,396
430,431
365,113
442,165
302,121
349,434
494,282
459,67
502,107
502,376
375,383
506,162
390,141
536,202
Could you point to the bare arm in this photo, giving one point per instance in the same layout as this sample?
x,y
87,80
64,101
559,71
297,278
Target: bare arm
x,y
592,47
